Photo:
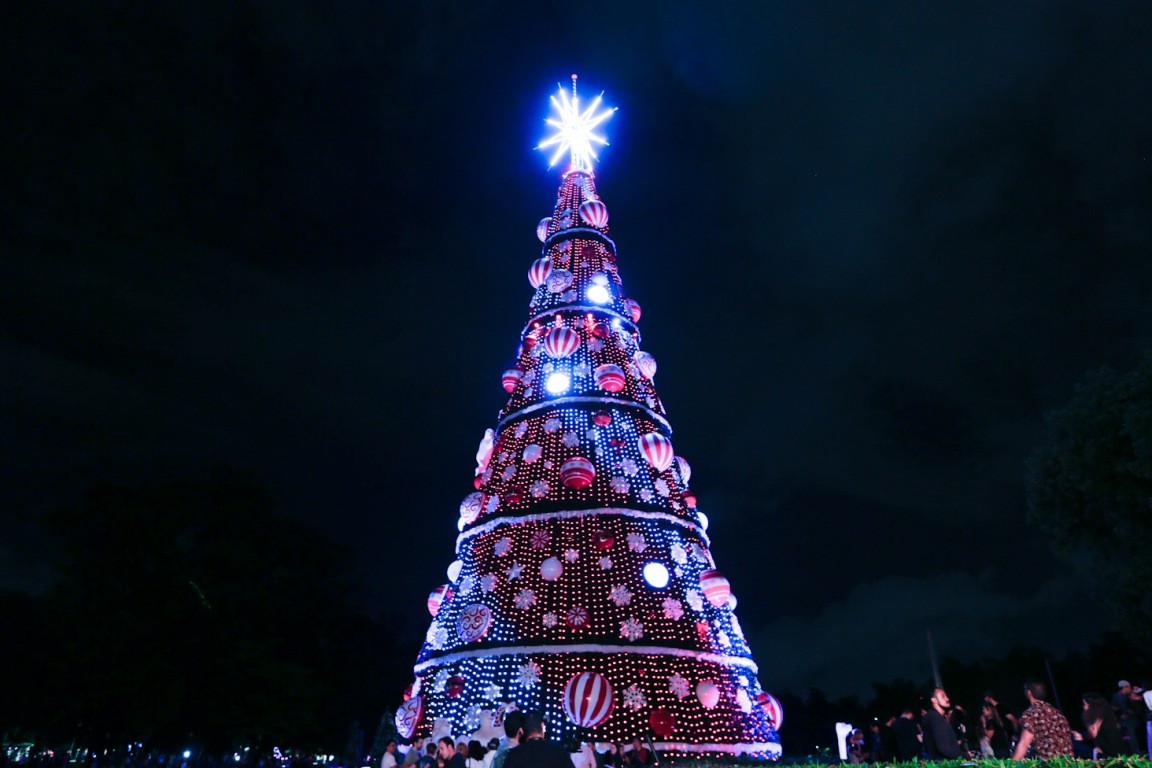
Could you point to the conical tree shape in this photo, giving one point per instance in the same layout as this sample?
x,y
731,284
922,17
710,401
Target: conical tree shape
x,y
581,551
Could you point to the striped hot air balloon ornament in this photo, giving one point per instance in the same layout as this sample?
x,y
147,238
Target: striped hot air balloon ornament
x,y
588,699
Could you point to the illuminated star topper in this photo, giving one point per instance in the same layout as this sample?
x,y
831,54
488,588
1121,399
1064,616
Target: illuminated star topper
x,y
574,129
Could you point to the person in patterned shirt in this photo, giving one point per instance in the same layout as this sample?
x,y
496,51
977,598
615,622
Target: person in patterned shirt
x,y
1042,727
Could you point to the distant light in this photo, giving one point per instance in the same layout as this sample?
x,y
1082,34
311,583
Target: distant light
x,y
616,323
187,753
656,575
558,383
703,518
598,294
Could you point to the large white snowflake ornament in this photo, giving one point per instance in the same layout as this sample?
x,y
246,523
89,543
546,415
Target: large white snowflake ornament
x,y
570,440
493,692
679,686
550,620
620,595
672,608
695,600
620,484
606,563
503,547
488,582
679,554
634,698
528,674
631,629
637,542
525,599
538,489
571,555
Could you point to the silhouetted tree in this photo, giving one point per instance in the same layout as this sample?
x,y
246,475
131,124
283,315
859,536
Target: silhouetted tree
x,y
1090,488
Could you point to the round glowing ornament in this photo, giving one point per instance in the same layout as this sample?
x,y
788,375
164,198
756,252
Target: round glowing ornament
x,y
454,569
557,383
511,378
551,569
603,540
708,694
577,472
473,622
662,722
542,228
633,308
559,281
561,342
595,213
656,574
610,378
772,709
657,451
598,294
437,596
408,716
731,602
532,452
645,363
539,271
602,418
601,330
587,699
703,518
689,497
455,686
715,587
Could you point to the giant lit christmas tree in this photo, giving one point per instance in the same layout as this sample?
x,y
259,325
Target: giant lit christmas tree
x,y
584,586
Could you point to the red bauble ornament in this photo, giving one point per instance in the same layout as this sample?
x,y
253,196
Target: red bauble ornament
x,y
715,587
601,330
539,271
595,213
561,342
588,699
657,450
477,482
662,722
511,378
514,493
577,617
633,308
529,341
455,686
689,498
408,692
610,378
408,716
602,418
577,472
603,539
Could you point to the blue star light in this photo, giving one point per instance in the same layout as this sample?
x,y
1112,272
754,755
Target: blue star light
x,y
574,129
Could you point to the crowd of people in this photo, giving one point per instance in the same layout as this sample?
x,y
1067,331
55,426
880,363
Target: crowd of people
x,y
524,745
1121,725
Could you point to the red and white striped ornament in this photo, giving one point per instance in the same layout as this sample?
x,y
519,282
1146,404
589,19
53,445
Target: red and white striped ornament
x,y
542,228
539,271
577,472
408,716
715,587
561,342
438,596
685,469
610,378
588,699
657,451
772,709
633,308
511,378
595,213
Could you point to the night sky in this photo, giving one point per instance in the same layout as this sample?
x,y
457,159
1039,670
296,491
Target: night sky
x,y
874,244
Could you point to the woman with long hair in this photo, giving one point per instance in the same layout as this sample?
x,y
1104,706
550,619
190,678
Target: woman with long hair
x,y
1101,727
